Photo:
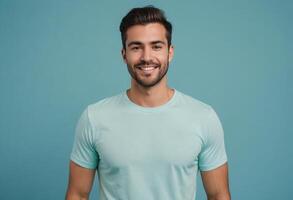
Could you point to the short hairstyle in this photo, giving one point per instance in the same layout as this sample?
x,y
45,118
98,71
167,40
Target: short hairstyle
x,y
143,16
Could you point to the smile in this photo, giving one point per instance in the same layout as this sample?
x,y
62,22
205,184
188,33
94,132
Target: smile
x,y
147,69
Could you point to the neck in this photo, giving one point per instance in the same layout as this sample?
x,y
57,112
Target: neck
x,y
150,97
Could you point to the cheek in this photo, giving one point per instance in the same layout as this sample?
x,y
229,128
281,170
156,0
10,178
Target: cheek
x,y
163,58
132,59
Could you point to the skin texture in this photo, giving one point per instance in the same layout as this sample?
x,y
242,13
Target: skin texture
x,y
80,182
147,46
216,183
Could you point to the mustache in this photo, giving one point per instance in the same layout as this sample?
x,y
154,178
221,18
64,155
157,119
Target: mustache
x,y
143,63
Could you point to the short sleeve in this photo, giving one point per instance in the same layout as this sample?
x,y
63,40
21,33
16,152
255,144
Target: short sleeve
x,y
213,153
84,152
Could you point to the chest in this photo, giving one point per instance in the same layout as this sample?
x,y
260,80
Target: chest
x,y
155,140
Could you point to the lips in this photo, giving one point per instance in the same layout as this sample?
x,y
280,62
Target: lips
x,y
147,67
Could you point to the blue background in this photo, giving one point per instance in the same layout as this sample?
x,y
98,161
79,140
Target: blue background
x,y
59,56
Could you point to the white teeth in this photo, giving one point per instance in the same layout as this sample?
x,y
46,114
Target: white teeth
x,y
148,68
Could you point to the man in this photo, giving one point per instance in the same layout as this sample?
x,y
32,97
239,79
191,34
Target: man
x,y
148,142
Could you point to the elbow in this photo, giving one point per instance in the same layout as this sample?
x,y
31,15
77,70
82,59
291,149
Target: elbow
x,y
76,196
220,197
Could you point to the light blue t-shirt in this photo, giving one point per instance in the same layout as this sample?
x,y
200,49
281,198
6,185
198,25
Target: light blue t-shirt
x,y
149,153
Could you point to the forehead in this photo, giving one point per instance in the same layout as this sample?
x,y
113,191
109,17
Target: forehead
x,y
146,33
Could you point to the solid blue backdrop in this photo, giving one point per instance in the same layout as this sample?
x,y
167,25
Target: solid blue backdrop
x,y
59,56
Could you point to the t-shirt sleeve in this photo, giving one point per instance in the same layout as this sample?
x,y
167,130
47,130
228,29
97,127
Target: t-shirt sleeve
x,y
84,152
213,153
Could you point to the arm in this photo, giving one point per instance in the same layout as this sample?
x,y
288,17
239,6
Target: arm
x,y
216,183
80,182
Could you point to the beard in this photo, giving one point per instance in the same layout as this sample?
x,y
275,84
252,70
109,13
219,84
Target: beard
x,y
133,71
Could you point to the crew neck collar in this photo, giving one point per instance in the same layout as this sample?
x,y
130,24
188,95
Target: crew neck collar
x,y
151,109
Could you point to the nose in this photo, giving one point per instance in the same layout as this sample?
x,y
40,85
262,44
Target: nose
x,y
146,54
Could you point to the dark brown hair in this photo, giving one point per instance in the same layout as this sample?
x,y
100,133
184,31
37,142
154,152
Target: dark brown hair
x,y
143,16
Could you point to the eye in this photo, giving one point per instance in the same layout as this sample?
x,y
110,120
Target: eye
x,y
135,48
157,47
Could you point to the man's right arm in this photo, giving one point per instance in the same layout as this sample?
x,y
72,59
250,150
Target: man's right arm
x,y
80,182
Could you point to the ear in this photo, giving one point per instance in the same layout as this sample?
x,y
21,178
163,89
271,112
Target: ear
x,y
123,53
171,52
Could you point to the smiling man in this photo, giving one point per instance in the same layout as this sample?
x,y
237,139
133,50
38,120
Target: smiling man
x,y
150,141
148,54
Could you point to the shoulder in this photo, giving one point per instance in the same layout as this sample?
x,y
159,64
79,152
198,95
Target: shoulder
x,y
194,104
105,106
198,113
105,103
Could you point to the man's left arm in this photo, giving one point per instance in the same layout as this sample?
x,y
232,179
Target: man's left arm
x,y
216,183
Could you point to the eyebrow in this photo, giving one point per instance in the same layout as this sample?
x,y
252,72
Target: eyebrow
x,y
140,43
